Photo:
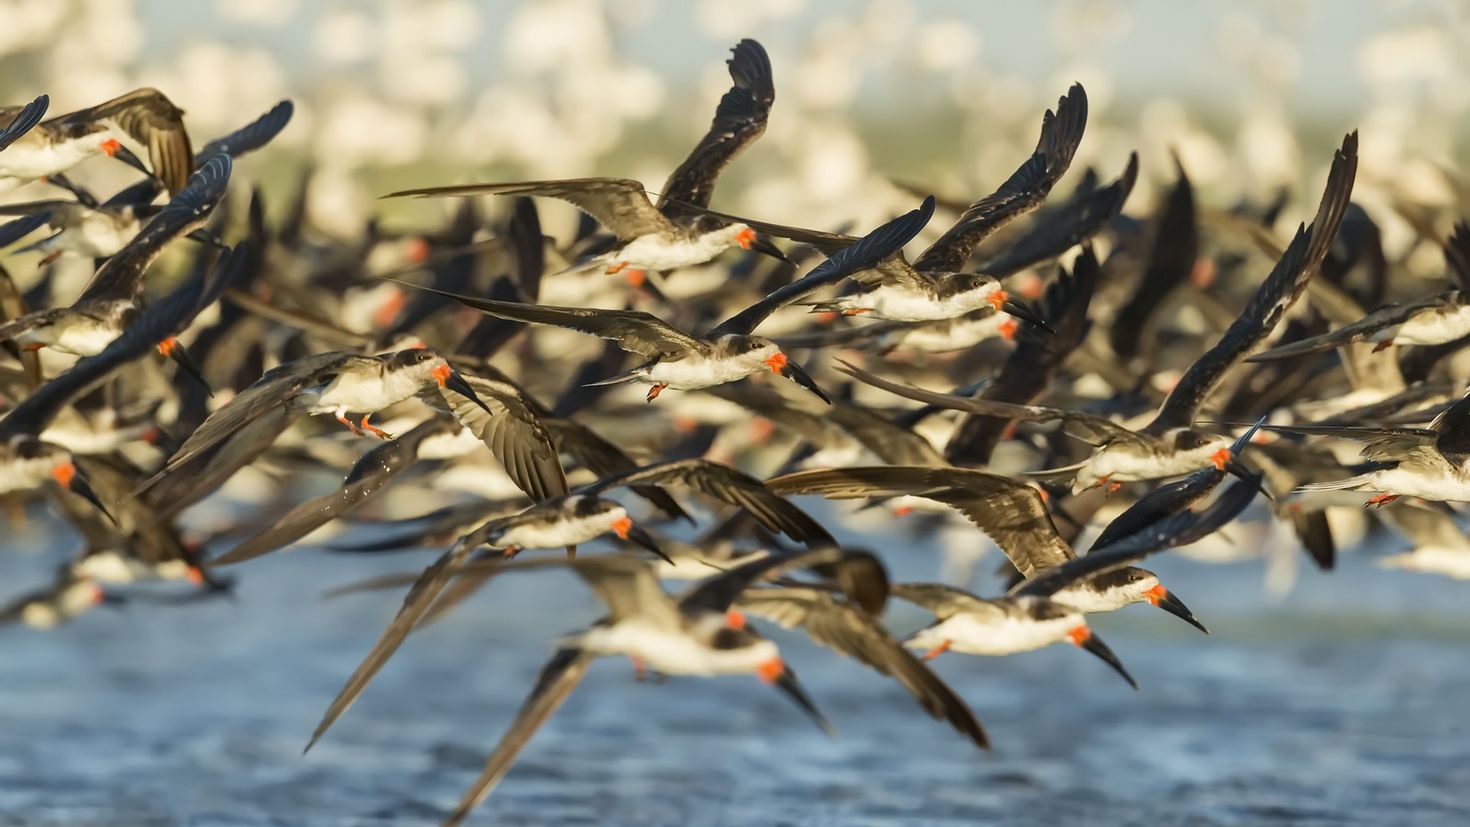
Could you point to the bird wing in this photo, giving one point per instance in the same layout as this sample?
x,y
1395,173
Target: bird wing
x,y
728,485
1271,301
878,246
1095,429
1180,529
369,475
846,629
1170,261
19,120
944,601
739,120
251,136
1023,192
619,204
266,394
152,120
553,686
1071,224
1383,317
121,275
1008,511
514,434
634,330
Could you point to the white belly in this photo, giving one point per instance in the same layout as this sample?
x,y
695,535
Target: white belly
x,y
959,334
972,635
695,372
655,252
1435,327
561,533
366,392
98,236
25,474
1121,463
674,653
906,305
32,157
84,338
1450,562
1437,484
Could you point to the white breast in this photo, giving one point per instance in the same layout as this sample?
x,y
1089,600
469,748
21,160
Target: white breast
x,y
698,372
368,391
957,335
562,532
657,252
976,635
902,303
32,156
674,653
1434,327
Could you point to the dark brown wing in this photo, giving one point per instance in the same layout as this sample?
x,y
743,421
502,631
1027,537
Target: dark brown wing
x,y
120,277
514,434
1096,429
1271,301
730,486
846,629
1457,255
605,459
152,120
553,686
619,204
1071,224
267,394
1009,511
1175,248
881,245
1024,191
739,120
634,330
369,475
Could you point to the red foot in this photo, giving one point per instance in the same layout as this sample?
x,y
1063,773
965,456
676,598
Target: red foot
x,y
937,651
373,429
614,269
654,391
635,278
1383,346
351,426
1380,500
856,311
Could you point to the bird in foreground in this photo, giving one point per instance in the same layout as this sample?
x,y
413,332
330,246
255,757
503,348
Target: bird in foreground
x,y
675,232
1171,443
696,633
725,353
60,143
332,383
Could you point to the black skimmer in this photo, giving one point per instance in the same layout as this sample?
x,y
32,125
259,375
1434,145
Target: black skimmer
x,y
675,232
87,228
1430,463
332,383
726,352
68,598
60,143
933,287
696,634
564,522
109,305
1433,320
1170,444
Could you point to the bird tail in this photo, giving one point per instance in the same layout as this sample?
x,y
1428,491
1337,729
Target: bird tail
x,y
626,376
1344,484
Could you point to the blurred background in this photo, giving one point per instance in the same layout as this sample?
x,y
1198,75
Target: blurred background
x,y
944,93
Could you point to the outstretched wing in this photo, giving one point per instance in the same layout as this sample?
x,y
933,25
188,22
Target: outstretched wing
x,y
739,120
152,120
1024,191
1009,511
619,204
1271,301
20,120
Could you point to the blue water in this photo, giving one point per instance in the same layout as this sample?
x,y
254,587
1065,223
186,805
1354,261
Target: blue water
x,y
1344,704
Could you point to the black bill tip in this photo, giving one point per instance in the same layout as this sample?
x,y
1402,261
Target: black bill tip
x,y
798,374
1094,644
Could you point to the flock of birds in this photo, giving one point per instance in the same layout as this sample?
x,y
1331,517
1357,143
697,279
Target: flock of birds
x,y
1088,394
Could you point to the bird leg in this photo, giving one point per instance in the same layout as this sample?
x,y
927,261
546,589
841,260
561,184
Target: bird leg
x,y
640,669
856,311
1384,345
512,551
48,258
635,277
654,391
614,269
937,651
1380,500
342,417
373,429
